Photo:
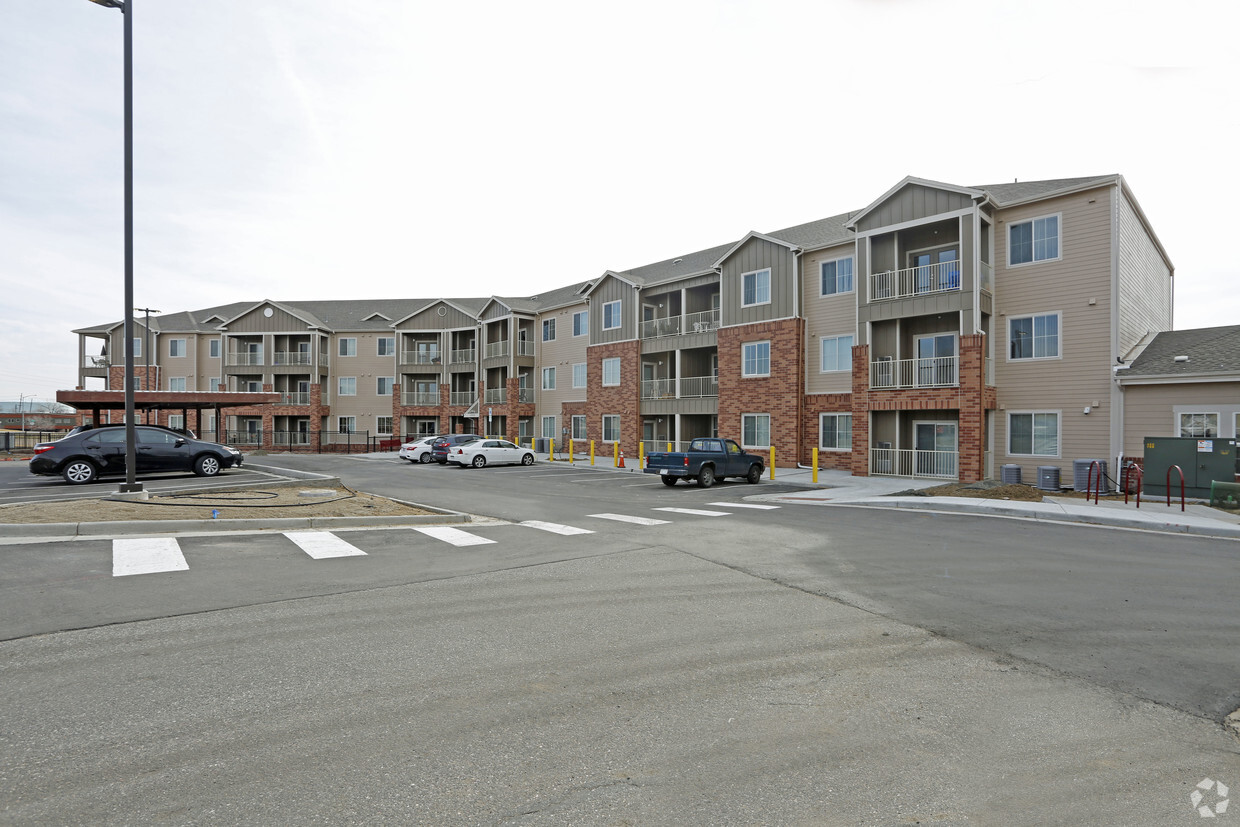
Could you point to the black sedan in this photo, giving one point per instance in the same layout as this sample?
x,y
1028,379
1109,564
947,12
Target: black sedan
x,y
87,455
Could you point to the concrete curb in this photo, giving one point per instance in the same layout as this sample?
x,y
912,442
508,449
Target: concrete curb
x,y
288,472
134,527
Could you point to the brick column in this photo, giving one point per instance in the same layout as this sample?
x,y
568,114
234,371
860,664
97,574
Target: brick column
x,y
861,410
970,434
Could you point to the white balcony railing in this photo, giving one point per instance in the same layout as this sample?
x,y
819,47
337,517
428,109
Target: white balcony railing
x,y
458,398
457,357
423,398
915,281
658,389
496,396
236,359
525,394
654,328
525,348
988,276
903,462
290,357
295,398
95,362
695,387
421,357
495,349
935,372
702,322
675,325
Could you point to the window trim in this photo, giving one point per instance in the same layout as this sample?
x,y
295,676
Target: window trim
x,y
548,325
379,339
340,345
545,386
756,273
340,379
171,345
1058,434
834,415
585,323
352,423
744,345
1058,314
543,426
605,417
391,379
585,375
852,276
1218,419
747,446
213,348
585,434
619,318
184,384
1058,216
619,370
822,342
379,424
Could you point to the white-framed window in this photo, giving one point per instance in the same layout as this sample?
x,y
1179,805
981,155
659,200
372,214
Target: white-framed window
x,y
548,379
581,322
1033,337
611,372
1033,434
611,427
213,384
548,427
210,423
756,359
579,375
836,353
385,346
579,427
1034,240
176,347
611,315
213,349
383,424
1198,425
346,386
346,424
756,430
756,287
835,432
837,276
348,347
176,421
384,386
176,384
548,330
137,348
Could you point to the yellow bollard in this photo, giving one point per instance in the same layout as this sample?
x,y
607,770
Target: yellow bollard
x,y
669,447
615,455
772,462
815,461
591,452
551,448
570,452
641,453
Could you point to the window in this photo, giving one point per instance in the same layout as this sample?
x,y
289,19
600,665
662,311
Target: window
x,y
756,430
581,323
137,348
213,349
176,384
213,384
548,330
548,379
385,346
176,421
1034,337
579,427
611,372
611,427
837,276
579,375
176,347
1198,425
836,353
211,423
1036,240
756,288
1033,434
384,386
611,315
346,386
756,359
348,347
384,424
835,432
548,427
346,424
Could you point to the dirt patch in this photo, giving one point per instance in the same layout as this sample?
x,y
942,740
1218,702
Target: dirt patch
x,y
986,490
238,504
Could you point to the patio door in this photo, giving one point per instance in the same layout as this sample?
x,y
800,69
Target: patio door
x,y
934,445
935,365
935,270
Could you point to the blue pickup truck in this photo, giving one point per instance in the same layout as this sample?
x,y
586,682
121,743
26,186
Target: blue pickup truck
x,y
708,459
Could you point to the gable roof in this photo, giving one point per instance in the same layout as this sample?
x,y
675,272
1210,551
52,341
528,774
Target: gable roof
x,y
910,180
1210,351
299,313
1017,192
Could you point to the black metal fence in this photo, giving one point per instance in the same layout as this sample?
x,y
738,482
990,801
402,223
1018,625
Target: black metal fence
x,y
308,442
26,440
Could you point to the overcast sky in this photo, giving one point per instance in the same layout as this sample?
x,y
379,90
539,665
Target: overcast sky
x,y
332,149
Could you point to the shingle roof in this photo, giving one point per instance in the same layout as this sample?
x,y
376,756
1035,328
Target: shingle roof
x,y
1209,350
1024,190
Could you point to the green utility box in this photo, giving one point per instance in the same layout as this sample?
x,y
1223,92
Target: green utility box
x,y
1202,460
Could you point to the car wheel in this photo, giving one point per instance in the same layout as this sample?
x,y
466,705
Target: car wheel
x,y
207,465
79,472
669,481
755,475
527,459
706,477
480,461
443,461
426,458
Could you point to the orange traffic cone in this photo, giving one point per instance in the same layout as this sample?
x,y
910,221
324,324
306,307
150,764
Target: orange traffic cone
x,y
621,465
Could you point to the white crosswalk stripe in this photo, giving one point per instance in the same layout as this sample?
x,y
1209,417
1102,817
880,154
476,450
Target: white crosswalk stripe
x,y
555,528
626,518
746,505
697,512
452,535
323,544
146,555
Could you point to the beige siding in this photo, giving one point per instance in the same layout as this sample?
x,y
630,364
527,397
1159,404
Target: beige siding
x,y
826,316
1152,410
757,254
1145,283
1081,376
206,366
561,354
366,367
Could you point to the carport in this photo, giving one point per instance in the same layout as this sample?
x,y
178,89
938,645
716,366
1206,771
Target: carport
x,y
219,402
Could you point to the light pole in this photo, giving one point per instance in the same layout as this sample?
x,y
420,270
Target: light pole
x,y
131,485
146,353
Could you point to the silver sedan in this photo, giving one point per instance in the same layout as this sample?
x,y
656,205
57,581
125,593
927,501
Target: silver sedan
x,y
482,452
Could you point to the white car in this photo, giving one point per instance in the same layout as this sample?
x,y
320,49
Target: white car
x,y
419,450
481,452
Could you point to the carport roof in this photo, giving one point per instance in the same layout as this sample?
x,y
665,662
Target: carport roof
x,y
96,401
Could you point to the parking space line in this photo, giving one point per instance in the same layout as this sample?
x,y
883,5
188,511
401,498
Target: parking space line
x,y
697,512
146,555
452,535
323,544
745,505
626,518
555,528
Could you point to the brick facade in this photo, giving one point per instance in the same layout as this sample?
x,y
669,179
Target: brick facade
x,y
623,399
781,394
816,404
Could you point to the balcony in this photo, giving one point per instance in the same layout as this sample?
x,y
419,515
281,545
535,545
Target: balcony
x,y
243,359
935,372
676,325
422,398
291,357
525,394
525,348
459,398
460,357
901,462
942,277
494,349
496,396
420,357
95,362
690,387
295,398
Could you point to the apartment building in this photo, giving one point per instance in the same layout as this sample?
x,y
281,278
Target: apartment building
x,y
939,331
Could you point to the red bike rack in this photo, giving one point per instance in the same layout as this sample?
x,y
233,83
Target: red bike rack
x,y
1181,470
1132,466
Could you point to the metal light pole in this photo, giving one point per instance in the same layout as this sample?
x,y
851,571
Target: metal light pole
x,y
146,353
131,485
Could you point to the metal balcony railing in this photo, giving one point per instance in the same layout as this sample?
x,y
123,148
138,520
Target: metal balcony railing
x,y
694,387
237,359
462,398
987,274
903,462
420,357
496,396
290,357
95,362
457,357
525,348
295,398
494,349
676,325
915,281
525,394
423,398
658,389
935,372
